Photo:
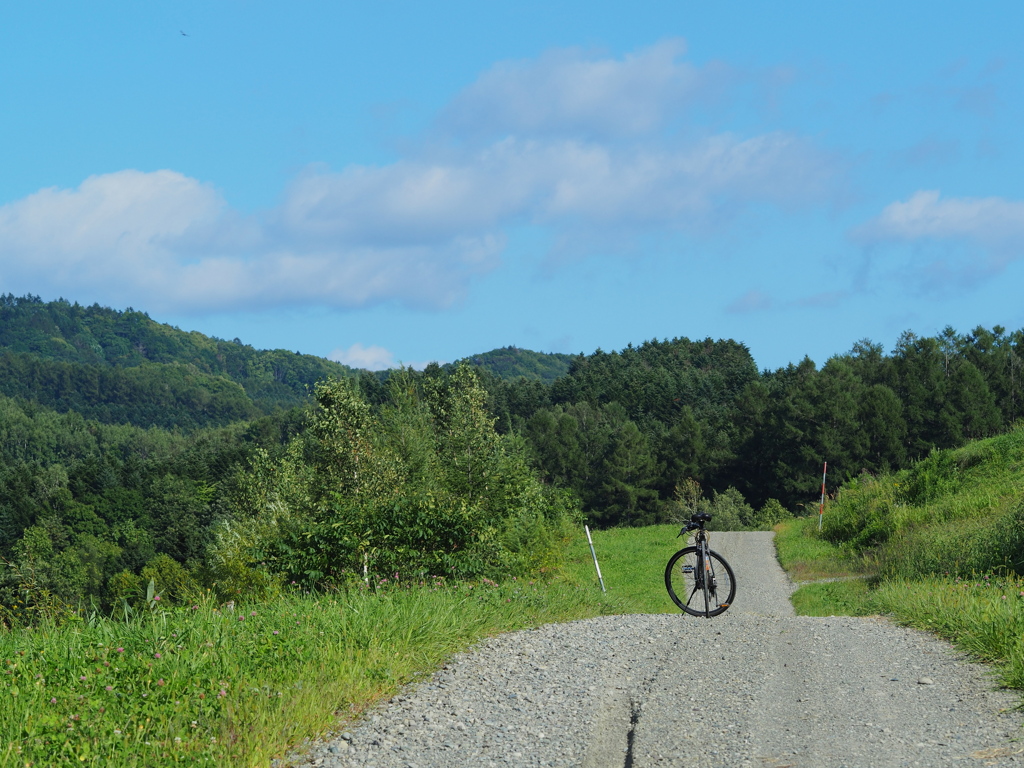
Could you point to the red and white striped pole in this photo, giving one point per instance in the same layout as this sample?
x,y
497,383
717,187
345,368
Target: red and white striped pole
x,y
821,507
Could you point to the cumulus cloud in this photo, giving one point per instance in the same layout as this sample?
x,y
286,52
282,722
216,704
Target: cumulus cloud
x,y
374,358
171,243
992,222
573,92
960,239
576,144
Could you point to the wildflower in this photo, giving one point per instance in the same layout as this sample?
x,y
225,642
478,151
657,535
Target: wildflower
x,y
156,656
222,694
253,613
156,597
275,631
120,650
161,682
53,701
110,688
82,678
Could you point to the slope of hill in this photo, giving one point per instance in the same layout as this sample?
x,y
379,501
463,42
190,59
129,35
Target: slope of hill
x,y
959,511
511,363
123,367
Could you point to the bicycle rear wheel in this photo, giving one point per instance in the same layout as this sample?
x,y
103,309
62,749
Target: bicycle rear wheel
x,y
685,582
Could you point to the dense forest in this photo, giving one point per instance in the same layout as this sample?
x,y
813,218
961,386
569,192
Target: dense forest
x,y
133,452
624,430
124,368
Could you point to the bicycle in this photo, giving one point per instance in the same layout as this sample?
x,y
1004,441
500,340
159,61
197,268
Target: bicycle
x,y
700,572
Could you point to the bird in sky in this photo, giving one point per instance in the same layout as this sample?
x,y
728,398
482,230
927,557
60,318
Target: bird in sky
x,y
184,33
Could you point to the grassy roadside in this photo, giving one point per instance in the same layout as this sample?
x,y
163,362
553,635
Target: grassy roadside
x,y
238,686
939,547
214,686
833,581
982,614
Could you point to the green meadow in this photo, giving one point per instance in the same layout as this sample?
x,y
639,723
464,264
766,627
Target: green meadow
x,y
632,564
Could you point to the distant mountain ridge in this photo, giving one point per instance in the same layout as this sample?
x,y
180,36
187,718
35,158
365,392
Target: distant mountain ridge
x,y
511,363
123,367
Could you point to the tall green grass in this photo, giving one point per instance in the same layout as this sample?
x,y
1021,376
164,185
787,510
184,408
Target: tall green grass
x,y
941,545
983,615
958,511
807,556
237,686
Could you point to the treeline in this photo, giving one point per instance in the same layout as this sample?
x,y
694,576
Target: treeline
x,y
152,394
131,451
82,501
625,429
112,366
420,486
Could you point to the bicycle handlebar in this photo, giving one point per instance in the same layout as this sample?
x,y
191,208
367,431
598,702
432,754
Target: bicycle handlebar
x,y
697,520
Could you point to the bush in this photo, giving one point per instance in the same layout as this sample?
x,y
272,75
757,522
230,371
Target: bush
x,y
730,511
425,487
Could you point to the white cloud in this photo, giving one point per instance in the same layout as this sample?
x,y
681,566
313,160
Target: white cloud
x,y
168,242
372,358
751,301
992,222
581,146
568,91
959,240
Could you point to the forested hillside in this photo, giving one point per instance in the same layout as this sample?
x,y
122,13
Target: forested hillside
x,y
514,363
123,367
625,429
132,451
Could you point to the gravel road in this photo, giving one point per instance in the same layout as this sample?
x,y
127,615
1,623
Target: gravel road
x,y
757,686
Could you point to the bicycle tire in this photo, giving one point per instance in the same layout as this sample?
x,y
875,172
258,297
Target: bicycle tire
x,y
682,579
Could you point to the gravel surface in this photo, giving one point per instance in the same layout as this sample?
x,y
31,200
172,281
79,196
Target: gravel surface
x,y
756,686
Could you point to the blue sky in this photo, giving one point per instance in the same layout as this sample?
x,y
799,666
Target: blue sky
x,y
400,182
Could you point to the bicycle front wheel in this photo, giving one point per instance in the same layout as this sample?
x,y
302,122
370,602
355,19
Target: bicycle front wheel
x,y
685,579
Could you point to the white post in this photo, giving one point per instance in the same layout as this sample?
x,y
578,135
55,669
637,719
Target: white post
x,y
821,507
592,552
